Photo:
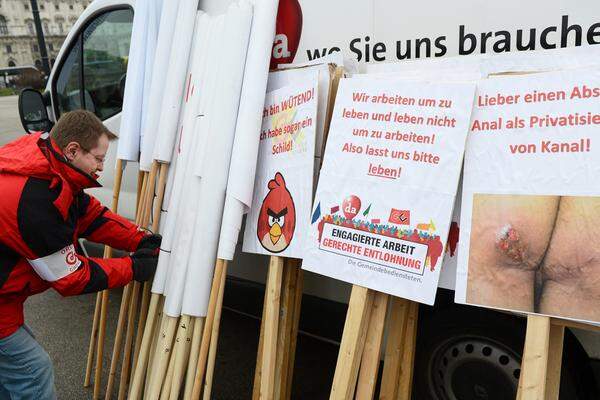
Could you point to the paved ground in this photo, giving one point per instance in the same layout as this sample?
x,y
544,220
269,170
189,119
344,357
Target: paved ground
x,y
10,123
63,325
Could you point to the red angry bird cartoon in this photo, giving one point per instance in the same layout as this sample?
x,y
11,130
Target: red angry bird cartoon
x,y
277,218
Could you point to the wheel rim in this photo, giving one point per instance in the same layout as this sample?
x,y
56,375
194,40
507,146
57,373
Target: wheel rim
x,y
473,368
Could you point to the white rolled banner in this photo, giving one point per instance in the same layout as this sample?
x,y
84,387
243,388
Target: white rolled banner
x,y
129,132
168,19
164,209
174,93
153,24
214,171
184,149
162,270
180,254
240,184
202,72
230,228
187,207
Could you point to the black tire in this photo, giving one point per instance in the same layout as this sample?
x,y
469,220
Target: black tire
x,y
468,353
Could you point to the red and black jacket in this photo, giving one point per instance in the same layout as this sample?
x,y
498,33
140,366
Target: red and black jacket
x,y
43,211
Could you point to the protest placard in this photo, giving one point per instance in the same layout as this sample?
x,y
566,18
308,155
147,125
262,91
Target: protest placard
x,y
279,217
530,196
386,192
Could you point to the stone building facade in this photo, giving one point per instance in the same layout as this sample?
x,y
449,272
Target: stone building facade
x,y
18,40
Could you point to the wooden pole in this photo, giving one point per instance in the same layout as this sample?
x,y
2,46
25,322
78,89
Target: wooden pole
x,y
181,354
164,347
220,273
393,351
140,200
193,359
118,338
139,191
532,382
144,307
133,305
165,392
139,371
259,352
369,366
572,324
146,210
289,321
353,340
104,299
93,337
294,334
557,336
150,195
271,315
286,324
214,340
101,335
158,327
408,352
123,309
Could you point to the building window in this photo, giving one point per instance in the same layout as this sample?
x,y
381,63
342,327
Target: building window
x,y
42,7
46,31
60,22
35,48
38,64
9,48
31,27
11,63
70,6
26,6
50,47
3,26
56,6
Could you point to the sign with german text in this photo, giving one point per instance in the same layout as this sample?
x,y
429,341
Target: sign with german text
x,y
387,186
531,200
278,219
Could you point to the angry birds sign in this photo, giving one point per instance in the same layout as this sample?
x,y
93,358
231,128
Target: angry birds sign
x,y
277,217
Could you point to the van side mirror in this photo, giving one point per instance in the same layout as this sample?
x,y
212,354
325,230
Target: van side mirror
x,y
33,113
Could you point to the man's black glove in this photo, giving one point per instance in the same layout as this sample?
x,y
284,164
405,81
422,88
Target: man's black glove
x,y
151,242
144,264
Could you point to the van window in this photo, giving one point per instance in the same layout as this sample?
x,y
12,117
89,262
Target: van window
x,y
68,87
92,76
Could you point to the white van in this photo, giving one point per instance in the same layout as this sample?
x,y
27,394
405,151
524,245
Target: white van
x,y
90,73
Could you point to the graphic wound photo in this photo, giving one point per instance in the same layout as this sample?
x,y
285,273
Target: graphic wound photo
x,y
536,254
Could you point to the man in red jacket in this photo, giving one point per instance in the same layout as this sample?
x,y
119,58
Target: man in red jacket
x,y
43,212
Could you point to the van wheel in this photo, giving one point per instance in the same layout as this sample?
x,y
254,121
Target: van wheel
x,y
466,353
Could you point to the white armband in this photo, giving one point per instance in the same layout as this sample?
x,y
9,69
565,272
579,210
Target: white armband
x,y
57,265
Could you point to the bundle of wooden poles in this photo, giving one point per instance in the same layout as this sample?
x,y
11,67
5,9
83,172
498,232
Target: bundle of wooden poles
x,y
164,346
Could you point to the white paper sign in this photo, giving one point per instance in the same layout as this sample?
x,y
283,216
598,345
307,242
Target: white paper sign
x,y
386,192
279,218
531,205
